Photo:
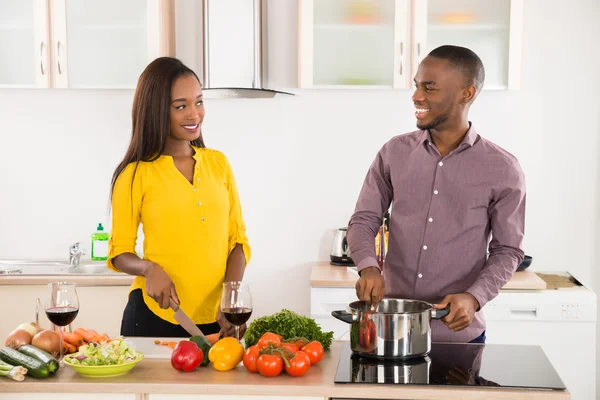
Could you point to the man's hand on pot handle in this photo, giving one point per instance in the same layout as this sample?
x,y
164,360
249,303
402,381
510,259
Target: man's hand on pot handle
x,y
370,288
462,310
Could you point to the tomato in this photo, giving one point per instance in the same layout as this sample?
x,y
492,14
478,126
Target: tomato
x,y
299,364
250,358
269,364
289,347
269,338
314,350
299,342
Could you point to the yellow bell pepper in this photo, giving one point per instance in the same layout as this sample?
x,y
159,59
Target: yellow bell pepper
x,y
226,354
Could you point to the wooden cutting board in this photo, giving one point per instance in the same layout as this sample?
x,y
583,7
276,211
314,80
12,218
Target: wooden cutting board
x,y
525,280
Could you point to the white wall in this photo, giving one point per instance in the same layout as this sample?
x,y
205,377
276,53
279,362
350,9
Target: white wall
x,y
300,161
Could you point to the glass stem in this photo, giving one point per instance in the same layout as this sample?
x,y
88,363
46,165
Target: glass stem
x,y
62,344
237,333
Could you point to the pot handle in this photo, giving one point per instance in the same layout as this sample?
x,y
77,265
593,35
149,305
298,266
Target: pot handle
x,y
343,316
439,314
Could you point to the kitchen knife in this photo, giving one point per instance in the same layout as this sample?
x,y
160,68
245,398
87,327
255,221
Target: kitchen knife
x,y
185,321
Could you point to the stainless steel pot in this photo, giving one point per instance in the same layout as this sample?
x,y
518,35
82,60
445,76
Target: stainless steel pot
x,y
397,329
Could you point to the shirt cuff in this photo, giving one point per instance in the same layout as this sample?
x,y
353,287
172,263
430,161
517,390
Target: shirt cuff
x,y
366,263
117,251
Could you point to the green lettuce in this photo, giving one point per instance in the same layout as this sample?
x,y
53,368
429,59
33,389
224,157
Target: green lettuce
x,y
289,325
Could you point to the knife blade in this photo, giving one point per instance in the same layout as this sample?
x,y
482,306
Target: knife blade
x,y
185,321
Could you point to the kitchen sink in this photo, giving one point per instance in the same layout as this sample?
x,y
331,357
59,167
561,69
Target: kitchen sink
x,y
24,267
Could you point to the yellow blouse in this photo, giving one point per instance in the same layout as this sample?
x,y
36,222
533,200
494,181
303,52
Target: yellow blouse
x,y
189,229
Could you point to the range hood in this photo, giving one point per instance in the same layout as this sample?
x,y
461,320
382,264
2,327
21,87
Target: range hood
x,y
232,50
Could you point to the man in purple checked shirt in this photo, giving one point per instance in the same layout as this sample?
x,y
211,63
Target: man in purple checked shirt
x,y
454,196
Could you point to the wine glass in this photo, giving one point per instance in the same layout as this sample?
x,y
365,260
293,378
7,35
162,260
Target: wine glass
x,y
236,304
62,306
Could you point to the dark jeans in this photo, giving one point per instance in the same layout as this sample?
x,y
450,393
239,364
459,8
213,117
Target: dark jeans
x,y
479,339
138,320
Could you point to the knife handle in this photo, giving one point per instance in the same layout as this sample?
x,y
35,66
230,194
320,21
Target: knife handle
x,y
173,305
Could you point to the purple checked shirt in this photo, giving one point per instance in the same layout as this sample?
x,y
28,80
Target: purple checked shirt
x,y
444,213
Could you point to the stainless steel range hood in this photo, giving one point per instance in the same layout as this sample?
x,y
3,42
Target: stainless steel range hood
x,y
226,30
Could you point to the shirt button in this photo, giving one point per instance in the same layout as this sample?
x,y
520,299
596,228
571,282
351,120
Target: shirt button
x,y
420,275
199,203
435,192
202,218
440,163
194,189
197,179
424,247
430,219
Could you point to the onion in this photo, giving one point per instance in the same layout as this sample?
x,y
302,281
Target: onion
x,y
18,338
48,341
30,327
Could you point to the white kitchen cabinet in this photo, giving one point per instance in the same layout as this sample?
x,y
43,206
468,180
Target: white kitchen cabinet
x,y
354,43
493,29
24,44
222,397
100,307
81,44
379,43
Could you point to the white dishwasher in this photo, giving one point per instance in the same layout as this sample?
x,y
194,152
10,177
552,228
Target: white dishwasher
x,y
562,321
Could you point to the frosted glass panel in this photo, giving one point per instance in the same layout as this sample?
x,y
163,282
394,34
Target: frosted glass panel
x,y
107,42
482,26
17,46
353,42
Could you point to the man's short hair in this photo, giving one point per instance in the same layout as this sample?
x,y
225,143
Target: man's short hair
x,y
465,61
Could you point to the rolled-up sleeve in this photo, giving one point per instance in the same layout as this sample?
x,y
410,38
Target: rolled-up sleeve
x,y
126,213
374,200
507,219
237,227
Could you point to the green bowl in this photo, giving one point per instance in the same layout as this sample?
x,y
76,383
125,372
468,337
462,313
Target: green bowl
x,y
103,371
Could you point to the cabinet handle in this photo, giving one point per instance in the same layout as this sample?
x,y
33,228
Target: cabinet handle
x,y
401,56
42,58
58,57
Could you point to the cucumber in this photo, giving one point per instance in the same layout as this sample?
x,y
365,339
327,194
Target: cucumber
x,y
35,367
32,351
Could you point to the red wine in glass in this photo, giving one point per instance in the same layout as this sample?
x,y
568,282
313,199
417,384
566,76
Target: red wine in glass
x,y
236,304
61,316
237,315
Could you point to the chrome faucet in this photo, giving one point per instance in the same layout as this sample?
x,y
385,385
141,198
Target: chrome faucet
x,y
75,253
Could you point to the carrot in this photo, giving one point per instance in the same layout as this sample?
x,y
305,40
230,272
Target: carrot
x,y
73,338
105,338
213,338
85,335
68,348
172,344
97,336
156,341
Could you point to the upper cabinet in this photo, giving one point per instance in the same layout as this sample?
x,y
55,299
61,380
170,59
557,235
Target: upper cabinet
x,y
24,43
379,43
81,44
354,43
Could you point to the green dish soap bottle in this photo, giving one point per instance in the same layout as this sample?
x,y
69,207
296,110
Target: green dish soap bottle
x,y
100,244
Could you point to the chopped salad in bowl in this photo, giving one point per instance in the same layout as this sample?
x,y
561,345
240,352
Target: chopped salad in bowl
x,y
104,359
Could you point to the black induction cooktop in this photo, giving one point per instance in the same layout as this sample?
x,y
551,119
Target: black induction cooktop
x,y
508,366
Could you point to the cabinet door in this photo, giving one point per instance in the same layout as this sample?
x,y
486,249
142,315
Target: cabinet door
x,y
24,43
491,28
353,43
103,43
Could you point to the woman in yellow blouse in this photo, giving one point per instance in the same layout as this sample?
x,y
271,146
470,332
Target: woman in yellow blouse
x,y
186,199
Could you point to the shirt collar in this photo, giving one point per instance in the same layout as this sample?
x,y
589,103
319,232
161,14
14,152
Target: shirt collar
x,y
469,139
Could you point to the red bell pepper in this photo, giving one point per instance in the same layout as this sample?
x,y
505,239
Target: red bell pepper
x,y
186,356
